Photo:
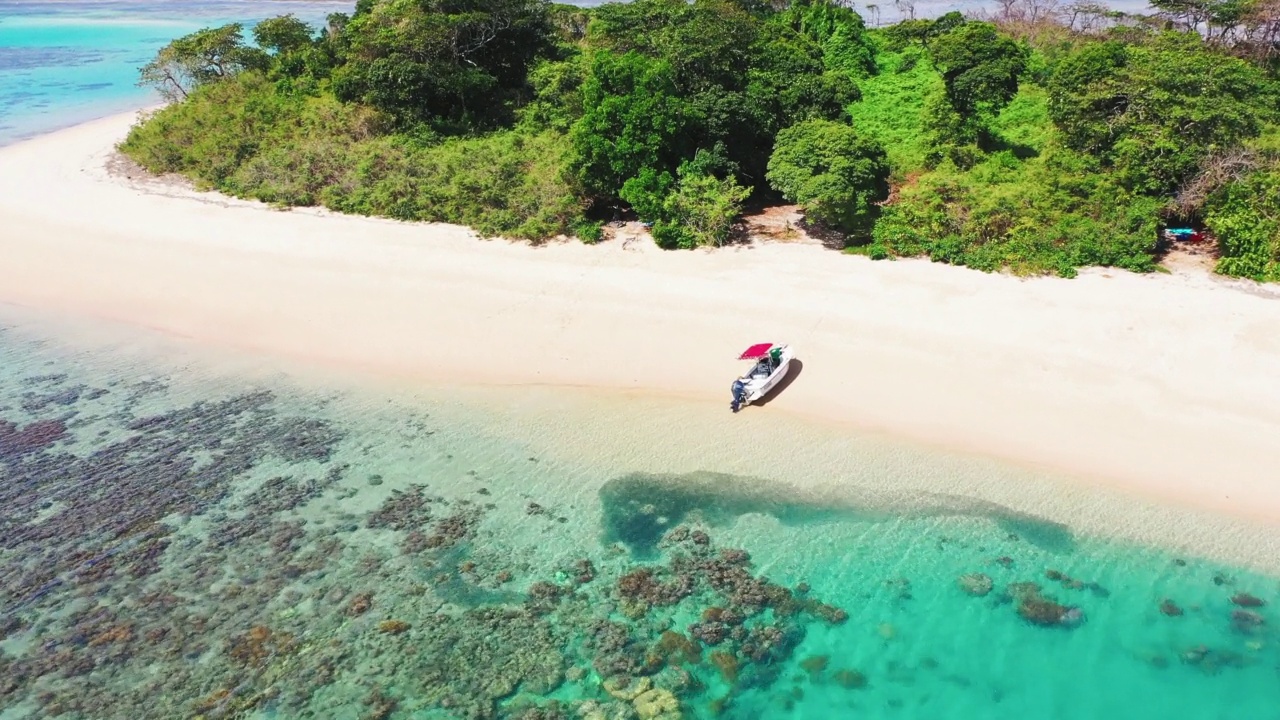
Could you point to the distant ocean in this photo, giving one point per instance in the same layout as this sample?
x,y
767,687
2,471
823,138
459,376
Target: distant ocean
x,y
64,62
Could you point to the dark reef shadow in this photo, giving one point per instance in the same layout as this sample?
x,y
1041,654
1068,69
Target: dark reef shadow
x,y
639,508
1045,534
796,367
450,587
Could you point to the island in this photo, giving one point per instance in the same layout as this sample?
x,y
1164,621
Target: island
x,y
1030,141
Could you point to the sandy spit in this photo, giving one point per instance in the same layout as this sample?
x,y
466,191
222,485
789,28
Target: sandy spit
x,y
1163,385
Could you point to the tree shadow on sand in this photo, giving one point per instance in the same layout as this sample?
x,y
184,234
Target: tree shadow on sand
x,y
796,367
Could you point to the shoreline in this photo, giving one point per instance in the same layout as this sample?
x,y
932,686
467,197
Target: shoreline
x,y
1162,386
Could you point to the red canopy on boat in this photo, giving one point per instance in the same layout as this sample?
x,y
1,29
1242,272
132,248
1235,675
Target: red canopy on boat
x,y
755,352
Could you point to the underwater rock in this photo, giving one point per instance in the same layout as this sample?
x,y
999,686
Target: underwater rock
x,y
902,587
814,665
473,659
1246,600
584,571
615,652
673,647
829,613
642,585
977,584
771,643
626,688
392,627
1170,608
380,705
259,645
593,710
1041,610
678,680
407,509
727,616
34,437
727,664
453,529
545,591
360,604
657,704
849,679
1246,621
711,633
1210,661
1020,590
282,493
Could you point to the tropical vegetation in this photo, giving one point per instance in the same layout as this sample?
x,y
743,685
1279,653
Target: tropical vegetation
x,y
1040,139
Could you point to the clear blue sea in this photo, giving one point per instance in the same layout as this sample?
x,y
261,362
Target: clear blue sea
x,y
181,539
63,62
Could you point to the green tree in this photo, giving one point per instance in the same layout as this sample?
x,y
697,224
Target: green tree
x,y
1153,111
693,209
204,56
1245,217
921,32
700,212
557,94
833,172
632,120
837,30
707,43
980,67
283,34
450,64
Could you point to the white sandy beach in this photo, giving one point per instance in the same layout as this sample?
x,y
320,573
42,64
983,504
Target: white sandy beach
x,y
1168,386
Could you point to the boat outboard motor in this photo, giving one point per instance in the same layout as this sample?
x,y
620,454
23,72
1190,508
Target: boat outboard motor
x,y
739,390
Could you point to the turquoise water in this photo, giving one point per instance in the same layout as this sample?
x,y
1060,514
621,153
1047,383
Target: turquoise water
x,y
67,62
185,543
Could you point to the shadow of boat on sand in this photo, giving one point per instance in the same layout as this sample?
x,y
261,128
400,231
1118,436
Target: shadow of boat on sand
x,y
793,371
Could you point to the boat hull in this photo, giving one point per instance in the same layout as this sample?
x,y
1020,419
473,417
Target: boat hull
x,y
755,388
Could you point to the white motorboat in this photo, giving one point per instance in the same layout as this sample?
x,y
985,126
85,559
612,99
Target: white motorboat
x,y
771,364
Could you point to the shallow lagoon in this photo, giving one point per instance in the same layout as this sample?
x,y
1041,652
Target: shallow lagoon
x,y
67,62
180,543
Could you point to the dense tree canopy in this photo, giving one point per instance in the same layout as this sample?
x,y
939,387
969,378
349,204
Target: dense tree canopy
x,y
834,173
1026,141
449,64
200,58
1153,111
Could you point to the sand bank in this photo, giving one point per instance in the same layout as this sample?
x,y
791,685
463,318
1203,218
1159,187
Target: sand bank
x,y
1163,385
